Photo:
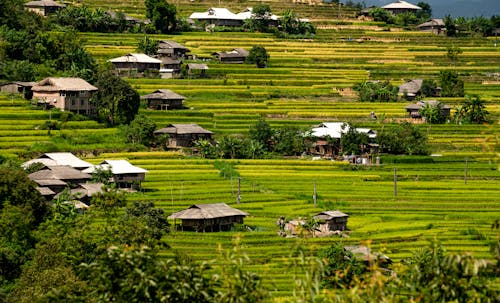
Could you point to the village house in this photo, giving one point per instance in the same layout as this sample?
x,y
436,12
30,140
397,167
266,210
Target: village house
x,y
84,192
413,110
410,89
135,63
43,7
59,159
124,174
209,217
57,178
435,26
331,220
184,135
196,70
236,55
171,49
400,7
216,17
164,99
66,94
18,87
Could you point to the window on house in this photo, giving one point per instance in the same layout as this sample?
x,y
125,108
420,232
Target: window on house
x,y
73,102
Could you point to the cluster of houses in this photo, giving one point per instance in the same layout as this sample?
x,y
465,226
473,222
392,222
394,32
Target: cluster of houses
x,y
55,173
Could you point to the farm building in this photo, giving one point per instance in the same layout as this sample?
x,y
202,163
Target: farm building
x,y
18,87
124,174
209,217
135,63
435,26
331,220
237,55
413,110
197,69
59,159
400,7
171,49
217,17
56,178
66,94
43,7
184,135
163,99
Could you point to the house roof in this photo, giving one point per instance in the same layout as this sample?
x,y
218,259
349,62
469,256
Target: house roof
x,y
197,66
50,182
421,104
336,129
330,214
63,84
235,52
248,13
164,94
183,129
401,5
117,167
20,83
215,13
411,87
170,60
208,211
58,159
45,191
116,15
44,3
85,190
170,44
135,58
432,22
58,173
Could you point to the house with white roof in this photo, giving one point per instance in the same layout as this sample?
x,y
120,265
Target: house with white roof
x,y
217,16
59,159
124,174
400,7
135,62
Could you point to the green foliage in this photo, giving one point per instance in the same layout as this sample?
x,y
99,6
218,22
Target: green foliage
x,y
451,28
433,113
428,88
451,85
404,138
148,46
472,111
260,20
141,130
226,169
117,102
289,141
108,200
452,53
406,18
85,19
341,268
258,56
290,24
353,141
102,175
425,12
381,15
163,15
374,91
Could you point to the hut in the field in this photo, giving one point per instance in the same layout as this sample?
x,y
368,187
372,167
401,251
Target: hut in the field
x,y
331,220
209,217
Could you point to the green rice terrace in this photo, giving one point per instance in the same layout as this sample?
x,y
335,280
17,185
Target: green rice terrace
x,y
452,196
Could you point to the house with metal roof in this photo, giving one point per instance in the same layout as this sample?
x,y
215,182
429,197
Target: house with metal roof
x,y
164,99
331,220
400,7
43,7
217,17
124,174
134,62
59,159
66,94
236,55
209,217
184,135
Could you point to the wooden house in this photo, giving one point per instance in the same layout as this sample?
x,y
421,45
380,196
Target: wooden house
x,y
197,69
400,7
171,49
184,135
413,110
331,220
435,26
164,99
237,55
135,63
57,178
67,94
18,87
43,7
209,217
59,159
410,89
124,174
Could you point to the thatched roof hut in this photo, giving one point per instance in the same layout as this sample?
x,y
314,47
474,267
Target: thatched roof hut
x,y
209,217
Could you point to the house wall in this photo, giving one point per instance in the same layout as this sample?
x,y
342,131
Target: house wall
x,y
215,224
186,140
11,88
74,101
159,104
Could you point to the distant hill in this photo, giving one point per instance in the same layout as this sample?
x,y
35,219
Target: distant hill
x,y
455,8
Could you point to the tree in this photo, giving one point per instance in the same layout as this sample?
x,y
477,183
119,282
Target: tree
x,y
428,88
148,46
117,102
352,141
452,53
259,56
450,25
260,19
262,132
381,15
341,268
289,141
472,111
404,138
433,113
292,25
451,85
141,131
371,91
162,15
425,12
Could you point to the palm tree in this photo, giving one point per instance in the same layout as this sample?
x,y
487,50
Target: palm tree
x,y
475,109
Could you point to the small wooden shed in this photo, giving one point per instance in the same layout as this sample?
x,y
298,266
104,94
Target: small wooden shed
x,y
43,7
237,55
331,220
209,217
164,99
184,135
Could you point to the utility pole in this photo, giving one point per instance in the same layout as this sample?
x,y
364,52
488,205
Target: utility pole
x,y
395,183
339,9
238,197
466,171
